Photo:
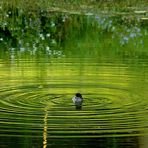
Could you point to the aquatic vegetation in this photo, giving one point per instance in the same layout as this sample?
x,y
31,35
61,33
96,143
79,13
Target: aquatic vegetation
x,y
40,27
51,49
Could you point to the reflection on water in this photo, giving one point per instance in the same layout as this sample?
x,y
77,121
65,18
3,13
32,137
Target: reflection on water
x,y
36,101
36,91
45,129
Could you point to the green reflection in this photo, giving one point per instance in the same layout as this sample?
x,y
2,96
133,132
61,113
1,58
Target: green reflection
x,y
46,59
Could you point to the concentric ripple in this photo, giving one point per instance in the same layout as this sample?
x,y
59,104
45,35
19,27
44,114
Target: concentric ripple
x,y
32,110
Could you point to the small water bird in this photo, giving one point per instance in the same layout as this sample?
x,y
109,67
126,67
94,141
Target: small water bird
x,y
78,100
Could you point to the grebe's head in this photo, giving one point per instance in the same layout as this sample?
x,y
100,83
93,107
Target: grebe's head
x,y
78,95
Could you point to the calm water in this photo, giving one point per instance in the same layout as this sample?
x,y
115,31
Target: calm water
x,y
36,91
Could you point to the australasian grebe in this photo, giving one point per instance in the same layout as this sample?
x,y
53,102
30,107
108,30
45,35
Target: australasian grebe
x,y
78,100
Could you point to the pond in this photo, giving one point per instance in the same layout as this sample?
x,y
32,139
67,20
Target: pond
x,y
44,62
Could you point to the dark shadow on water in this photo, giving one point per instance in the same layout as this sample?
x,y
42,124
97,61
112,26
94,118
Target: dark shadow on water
x,y
105,142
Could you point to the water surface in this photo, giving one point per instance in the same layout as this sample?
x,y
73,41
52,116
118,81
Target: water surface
x,y
106,67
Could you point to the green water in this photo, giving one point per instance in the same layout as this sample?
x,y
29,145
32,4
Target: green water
x,y
101,57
